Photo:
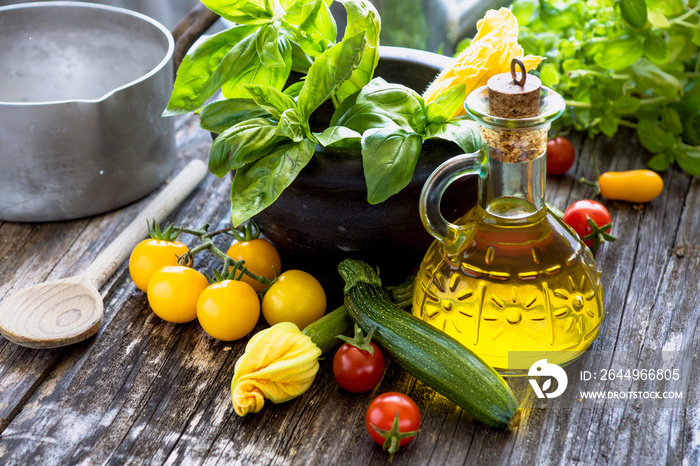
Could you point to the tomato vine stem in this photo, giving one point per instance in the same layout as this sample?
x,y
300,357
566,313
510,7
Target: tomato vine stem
x,y
230,266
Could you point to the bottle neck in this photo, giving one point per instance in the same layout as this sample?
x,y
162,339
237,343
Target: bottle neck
x,y
513,191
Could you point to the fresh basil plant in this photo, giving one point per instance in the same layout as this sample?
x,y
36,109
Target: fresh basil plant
x,y
263,129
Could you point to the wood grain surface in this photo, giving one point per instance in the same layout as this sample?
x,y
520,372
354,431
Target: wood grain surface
x,y
143,391
69,310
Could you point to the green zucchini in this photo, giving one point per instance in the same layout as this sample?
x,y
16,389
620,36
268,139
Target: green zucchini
x,y
430,355
324,332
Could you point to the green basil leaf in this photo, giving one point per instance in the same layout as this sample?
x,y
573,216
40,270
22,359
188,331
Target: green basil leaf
x,y
653,138
294,89
258,184
462,45
328,72
344,107
366,116
582,93
294,5
581,119
523,11
301,62
242,11
267,45
435,114
656,49
649,77
688,159
680,47
270,99
321,24
626,105
649,112
255,72
658,19
313,47
451,101
571,64
549,75
530,42
210,62
339,136
608,123
558,15
671,120
362,17
667,7
691,129
297,12
389,157
463,132
620,53
597,97
218,116
659,163
241,144
318,31
291,125
689,110
634,12
403,104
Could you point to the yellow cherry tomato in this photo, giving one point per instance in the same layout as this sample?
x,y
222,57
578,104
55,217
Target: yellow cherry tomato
x,y
260,257
150,255
631,186
295,297
173,292
228,310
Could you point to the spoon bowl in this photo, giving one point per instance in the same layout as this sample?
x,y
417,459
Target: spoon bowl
x,y
52,314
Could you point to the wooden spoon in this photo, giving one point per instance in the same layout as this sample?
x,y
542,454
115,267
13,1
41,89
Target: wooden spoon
x,y
69,310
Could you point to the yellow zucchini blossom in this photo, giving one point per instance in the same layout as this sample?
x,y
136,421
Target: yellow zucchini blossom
x,y
488,54
279,364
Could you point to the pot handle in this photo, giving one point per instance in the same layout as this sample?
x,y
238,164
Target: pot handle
x,y
189,29
435,187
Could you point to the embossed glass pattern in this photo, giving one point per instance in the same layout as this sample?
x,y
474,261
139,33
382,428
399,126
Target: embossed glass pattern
x,y
509,275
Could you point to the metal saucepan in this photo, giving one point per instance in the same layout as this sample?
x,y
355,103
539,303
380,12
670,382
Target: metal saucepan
x,y
82,90
166,12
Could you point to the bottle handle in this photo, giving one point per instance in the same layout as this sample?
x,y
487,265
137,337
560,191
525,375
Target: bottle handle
x,y
435,187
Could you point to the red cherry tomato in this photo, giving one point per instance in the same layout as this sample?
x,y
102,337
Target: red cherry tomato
x,y
577,215
560,156
381,414
357,370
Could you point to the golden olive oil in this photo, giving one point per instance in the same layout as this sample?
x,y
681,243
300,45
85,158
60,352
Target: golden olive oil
x,y
509,280
525,284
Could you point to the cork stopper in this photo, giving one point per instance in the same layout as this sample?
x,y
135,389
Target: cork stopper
x,y
513,96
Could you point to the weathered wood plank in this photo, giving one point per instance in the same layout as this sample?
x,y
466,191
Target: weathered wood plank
x,y
76,396
33,253
634,268
689,230
30,252
145,391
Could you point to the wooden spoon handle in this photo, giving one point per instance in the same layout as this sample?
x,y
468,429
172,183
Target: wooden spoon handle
x,y
165,202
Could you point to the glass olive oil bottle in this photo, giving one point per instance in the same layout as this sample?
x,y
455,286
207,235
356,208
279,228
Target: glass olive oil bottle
x,y
509,276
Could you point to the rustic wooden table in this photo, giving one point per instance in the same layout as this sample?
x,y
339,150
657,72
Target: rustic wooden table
x,y
146,391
